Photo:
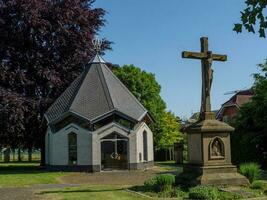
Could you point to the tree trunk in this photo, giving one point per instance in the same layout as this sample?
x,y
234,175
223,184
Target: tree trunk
x,y
42,163
7,155
30,154
170,153
173,152
166,154
19,154
13,154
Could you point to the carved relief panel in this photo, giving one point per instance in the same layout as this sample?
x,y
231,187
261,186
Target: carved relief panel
x,y
216,149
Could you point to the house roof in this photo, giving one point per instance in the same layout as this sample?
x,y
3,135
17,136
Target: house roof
x,y
237,100
95,93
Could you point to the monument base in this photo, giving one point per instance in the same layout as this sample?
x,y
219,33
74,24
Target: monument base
x,y
218,175
209,154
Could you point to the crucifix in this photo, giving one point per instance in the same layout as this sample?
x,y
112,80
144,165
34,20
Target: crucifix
x,y
206,58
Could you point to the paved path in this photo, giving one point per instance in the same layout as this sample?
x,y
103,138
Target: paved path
x,y
111,178
17,194
78,179
30,193
53,186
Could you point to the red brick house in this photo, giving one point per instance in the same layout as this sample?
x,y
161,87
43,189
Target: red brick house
x,y
230,108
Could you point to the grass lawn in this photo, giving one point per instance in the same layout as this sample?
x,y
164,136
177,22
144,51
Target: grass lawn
x,y
17,174
169,166
29,174
24,174
92,192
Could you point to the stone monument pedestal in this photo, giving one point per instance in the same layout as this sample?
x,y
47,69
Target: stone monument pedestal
x,y
209,154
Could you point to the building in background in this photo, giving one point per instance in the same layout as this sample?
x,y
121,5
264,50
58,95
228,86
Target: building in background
x,y
230,108
97,124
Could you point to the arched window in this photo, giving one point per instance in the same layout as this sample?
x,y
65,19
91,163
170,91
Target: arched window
x,y
145,153
72,140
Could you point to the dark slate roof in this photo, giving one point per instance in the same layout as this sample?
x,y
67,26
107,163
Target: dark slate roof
x,y
94,94
97,59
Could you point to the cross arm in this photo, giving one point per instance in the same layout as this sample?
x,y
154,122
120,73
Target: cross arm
x,y
202,55
193,55
219,57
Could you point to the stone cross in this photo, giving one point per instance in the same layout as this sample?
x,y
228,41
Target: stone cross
x,y
206,58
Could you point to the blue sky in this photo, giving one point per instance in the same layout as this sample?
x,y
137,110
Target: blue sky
x,y
151,34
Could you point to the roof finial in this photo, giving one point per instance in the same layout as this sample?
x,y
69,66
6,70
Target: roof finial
x,y
97,44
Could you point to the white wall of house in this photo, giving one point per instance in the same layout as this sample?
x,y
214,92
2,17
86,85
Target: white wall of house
x,y
139,140
47,147
88,152
57,146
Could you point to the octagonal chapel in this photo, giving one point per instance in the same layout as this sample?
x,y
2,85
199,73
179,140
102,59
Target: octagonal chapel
x,y
97,124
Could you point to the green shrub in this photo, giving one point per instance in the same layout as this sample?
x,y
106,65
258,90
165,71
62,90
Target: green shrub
x,y
204,192
228,196
172,192
150,183
165,181
259,185
166,193
178,192
160,183
250,170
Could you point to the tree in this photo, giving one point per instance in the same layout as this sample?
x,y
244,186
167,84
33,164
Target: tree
x,y
43,47
253,17
146,89
250,137
170,131
11,121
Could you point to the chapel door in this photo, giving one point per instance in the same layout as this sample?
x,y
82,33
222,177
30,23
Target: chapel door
x,y
114,148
